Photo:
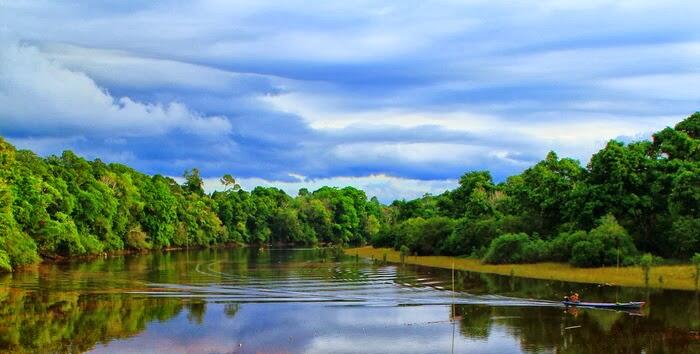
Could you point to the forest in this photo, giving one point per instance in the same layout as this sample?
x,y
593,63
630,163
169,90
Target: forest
x,y
634,198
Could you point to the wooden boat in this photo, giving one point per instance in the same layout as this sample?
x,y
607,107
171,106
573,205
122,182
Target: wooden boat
x,y
606,305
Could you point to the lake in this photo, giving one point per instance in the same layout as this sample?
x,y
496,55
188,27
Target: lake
x,y
246,300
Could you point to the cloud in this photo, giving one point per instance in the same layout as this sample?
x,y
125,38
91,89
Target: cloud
x,y
40,96
385,188
335,90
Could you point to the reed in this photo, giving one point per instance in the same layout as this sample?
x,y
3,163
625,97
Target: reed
x,y
646,262
674,276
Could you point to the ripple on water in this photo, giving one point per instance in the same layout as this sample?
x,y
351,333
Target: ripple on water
x,y
368,286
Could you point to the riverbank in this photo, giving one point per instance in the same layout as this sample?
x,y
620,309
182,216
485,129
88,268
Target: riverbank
x,y
680,277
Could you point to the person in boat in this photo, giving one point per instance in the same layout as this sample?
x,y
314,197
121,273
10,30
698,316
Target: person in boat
x,y
573,298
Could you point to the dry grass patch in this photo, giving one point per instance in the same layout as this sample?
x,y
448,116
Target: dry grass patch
x,y
665,277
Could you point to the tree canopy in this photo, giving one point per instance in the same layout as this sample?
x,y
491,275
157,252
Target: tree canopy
x,y
631,198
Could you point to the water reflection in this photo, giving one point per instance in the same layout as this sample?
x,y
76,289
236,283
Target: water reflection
x,y
247,300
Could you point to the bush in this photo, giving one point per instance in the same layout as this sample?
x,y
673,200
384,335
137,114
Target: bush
x,y
383,238
537,250
92,245
5,262
431,235
470,236
423,236
562,245
617,243
137,239
685,236
19,247
509,248
587,253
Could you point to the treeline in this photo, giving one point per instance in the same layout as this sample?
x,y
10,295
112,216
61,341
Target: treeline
x,y
630,199
67,206
642,197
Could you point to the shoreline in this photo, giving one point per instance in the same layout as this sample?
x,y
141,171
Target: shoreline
x,y
677,277
56,259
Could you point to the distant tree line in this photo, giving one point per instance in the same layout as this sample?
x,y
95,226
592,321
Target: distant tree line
x,y
631,198
63,206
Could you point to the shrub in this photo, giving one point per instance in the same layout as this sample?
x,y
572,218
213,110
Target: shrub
x,y
431,235
646,262
696,262
383,238
423,236
91,244
470,236
587,253
19,248
617,243
5,262
537,250
685,236
137,239
562,245
509,248
404,252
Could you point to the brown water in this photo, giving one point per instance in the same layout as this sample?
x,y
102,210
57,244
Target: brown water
x,y
307,301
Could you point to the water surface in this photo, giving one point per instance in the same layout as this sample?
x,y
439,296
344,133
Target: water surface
x,y
308,301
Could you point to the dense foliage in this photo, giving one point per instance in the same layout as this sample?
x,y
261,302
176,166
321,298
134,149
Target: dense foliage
x,y
67,206
631,198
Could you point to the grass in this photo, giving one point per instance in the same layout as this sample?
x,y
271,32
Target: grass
x,y
674,276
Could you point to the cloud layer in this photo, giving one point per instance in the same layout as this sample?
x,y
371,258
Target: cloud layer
x,y
396,97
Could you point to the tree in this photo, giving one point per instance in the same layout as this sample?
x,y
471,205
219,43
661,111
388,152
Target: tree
x,y
193,182
230,182
543,191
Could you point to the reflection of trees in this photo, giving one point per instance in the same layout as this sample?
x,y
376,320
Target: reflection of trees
x,y
196,309
592,331
475,320
668,327
67,321
231,310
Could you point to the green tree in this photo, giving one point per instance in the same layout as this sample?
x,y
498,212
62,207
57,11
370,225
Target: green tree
x,y
194,182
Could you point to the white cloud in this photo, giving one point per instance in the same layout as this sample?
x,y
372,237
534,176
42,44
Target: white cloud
x,y
438,153
40,95
659,86
125,69
385,188
570,131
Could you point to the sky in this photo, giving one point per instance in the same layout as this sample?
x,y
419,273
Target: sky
x,y
399,98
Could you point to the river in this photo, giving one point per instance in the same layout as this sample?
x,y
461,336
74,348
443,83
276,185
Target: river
x,y
247,300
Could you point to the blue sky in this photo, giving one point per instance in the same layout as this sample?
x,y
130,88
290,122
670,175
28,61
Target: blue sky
x,y
399,98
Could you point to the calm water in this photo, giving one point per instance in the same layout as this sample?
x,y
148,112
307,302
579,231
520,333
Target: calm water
x,y
306,301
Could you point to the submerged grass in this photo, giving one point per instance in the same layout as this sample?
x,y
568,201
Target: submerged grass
x,y
665,276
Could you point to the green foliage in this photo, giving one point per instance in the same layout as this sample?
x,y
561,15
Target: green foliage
x,y
422,236
67,206
5,265
137,239
545,189
642,196
471,236
616,242
696,262
587,253
514,248
195,184
405,251
685,236
646,262
562,246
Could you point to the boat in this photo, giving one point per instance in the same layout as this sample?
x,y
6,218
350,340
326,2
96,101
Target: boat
x,y
606,305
